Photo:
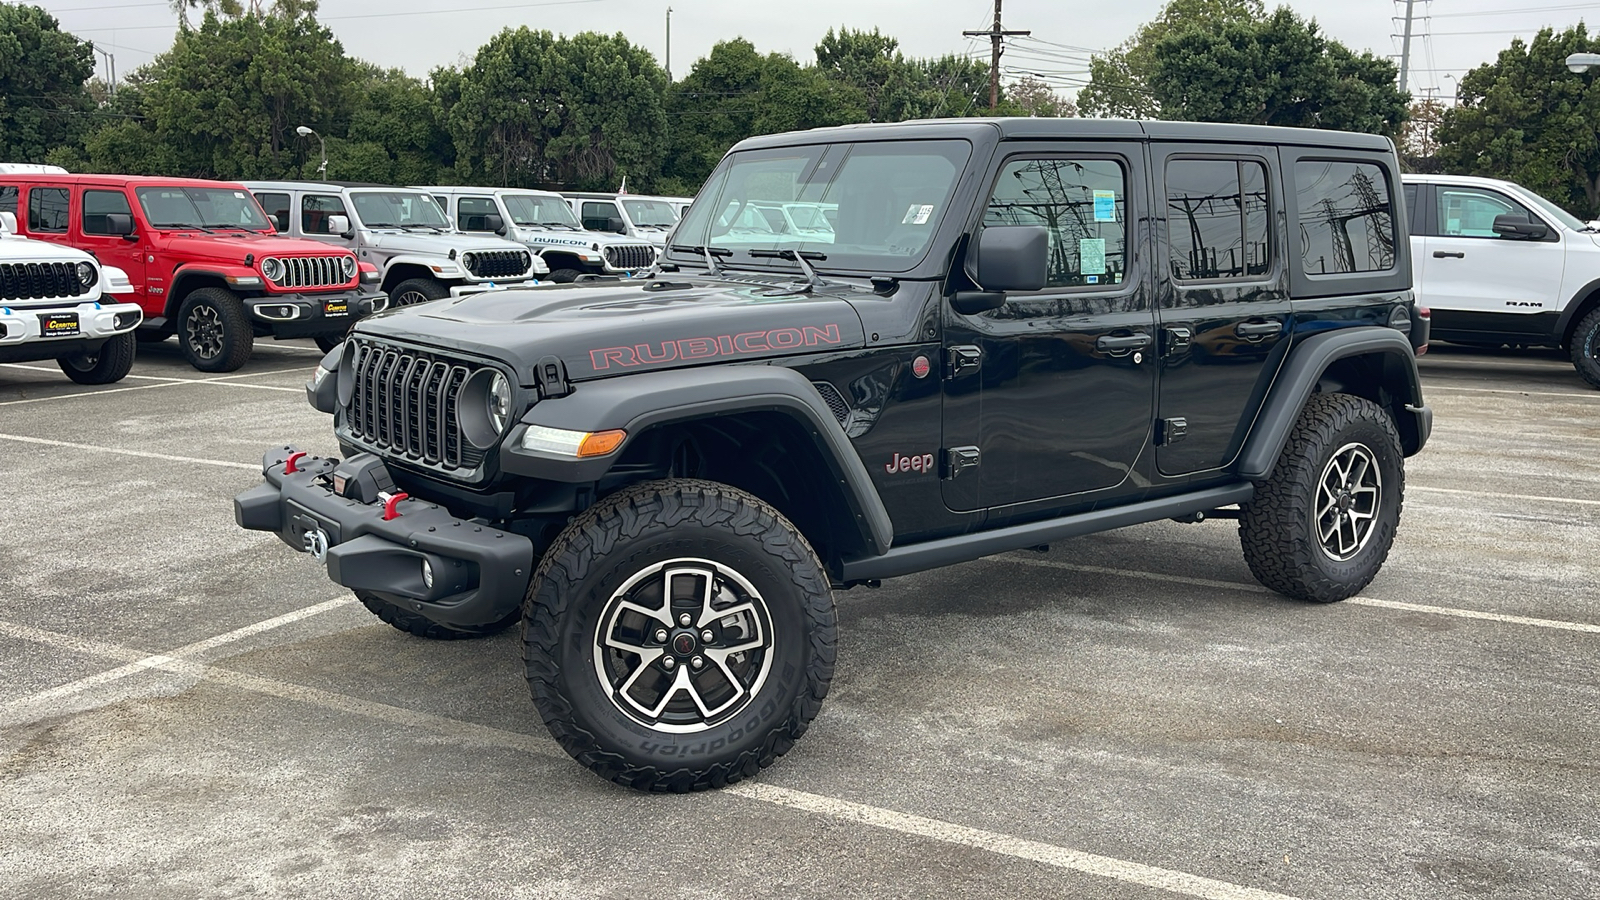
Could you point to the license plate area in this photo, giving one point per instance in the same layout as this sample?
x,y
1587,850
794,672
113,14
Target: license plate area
x,y
59,325
336,308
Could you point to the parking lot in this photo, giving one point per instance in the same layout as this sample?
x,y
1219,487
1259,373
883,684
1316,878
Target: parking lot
x,y
191,710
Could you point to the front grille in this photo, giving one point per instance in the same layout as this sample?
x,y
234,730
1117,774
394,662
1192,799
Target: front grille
x,y
40,281
497,263
406,404
630,256
311,272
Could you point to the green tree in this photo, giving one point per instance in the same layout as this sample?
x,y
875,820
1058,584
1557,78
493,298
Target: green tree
x,y
1031,96
396,134
1279,70
43,71
1119,81
1525,118
534,109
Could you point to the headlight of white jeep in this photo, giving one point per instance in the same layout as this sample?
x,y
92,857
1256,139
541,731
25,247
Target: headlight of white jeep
x,y
87,275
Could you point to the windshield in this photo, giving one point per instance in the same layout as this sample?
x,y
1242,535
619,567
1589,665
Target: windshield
x,y
201,207
1562,216
872,206
650,213
398,209
530,210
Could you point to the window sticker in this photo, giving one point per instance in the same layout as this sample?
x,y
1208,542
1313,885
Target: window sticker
x,y
918,214
1105,206
1092,257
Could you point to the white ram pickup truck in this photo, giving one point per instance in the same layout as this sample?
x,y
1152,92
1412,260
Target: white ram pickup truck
x,y
56,303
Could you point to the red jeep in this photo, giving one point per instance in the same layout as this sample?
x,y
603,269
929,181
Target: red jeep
x,y
205,261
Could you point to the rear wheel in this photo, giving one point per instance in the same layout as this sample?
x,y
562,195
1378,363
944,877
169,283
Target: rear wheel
x,y
417,290
110,364
1586,348
423,627
1321,525
214,330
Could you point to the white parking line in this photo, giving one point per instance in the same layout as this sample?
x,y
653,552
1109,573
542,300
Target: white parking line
x,y
144,454
69,396
1583,627
1580,501
1430,387
837,809
223,380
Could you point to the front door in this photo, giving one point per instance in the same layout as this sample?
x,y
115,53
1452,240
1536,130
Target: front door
x,y
1480,282
1050,395
126,253
1224,299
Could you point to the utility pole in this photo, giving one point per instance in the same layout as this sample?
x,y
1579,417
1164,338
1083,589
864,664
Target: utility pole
x,y
111,68
996,35
669,45
1405,47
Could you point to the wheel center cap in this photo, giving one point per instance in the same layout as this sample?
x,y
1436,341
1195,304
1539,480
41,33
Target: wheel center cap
x,y
683,643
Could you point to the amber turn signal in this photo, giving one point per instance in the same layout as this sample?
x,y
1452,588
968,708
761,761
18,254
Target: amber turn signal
x,y
600,443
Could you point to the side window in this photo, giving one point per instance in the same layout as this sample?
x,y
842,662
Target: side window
x,y
316,209
47,209
99,204
1413,214
472,213
444,204
1083,203
8,198
276,207
1470,212
1346,217
597,215
1217,219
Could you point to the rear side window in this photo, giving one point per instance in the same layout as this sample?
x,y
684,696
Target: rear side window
x,y
1346,217
277,209
1081,202
97,205
1413,214
472,213
316,209
597,215
8,198
1217,212
47,210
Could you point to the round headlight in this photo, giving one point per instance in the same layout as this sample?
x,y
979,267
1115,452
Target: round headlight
x,y
349,267
272,268
469,260
87,274
499,402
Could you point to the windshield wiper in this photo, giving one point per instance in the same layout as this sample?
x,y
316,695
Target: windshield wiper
x,y
710,253
798,256
181,225
567,225
410,225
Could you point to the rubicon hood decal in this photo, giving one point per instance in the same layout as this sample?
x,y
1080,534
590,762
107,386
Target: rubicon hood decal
x,y
751,343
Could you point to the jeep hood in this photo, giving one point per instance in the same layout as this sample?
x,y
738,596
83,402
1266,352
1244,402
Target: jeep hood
x,y
436,244
233,247
601,329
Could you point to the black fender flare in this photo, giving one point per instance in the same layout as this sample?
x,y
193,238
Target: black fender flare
x,y
179,287
1574,304
636,403
1307,362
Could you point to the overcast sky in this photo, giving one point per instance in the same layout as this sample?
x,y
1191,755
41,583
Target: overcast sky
x,y
417,35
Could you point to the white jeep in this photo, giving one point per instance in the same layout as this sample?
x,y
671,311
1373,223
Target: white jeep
x,y
55,304
543,222
1498,264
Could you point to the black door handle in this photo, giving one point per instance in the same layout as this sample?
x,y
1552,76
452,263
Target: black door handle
x,y
1123,344
1256,331
1449,254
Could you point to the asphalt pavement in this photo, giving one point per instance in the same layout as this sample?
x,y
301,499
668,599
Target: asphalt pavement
x,y
191,710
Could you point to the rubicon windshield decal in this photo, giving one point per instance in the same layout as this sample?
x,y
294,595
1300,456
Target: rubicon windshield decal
x,y
714,346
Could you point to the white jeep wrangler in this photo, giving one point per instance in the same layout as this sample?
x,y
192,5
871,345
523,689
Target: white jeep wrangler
x,y
545,223
55,304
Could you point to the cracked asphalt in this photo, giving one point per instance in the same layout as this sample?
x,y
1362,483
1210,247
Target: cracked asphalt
x,y
190,710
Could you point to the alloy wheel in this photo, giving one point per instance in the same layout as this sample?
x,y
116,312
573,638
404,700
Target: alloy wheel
x,y
1349,494
204,330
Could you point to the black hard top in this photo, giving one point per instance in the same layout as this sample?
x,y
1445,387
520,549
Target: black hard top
x,y
1019,129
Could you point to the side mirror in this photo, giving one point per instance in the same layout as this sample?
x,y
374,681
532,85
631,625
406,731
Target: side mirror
x,y
1520,228
494,223
8,222
1009,258
340,225
120,224
616,224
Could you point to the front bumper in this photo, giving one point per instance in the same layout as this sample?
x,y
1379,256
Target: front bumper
x,y
480,573
22,336
314,315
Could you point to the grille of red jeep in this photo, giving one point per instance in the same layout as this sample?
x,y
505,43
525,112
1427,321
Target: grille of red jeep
x,y
311,272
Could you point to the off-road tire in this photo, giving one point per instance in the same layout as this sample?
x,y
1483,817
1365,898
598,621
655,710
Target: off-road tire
x,y
423,627
326,343
405,292
1586,348
625,535
110,365
237,338
563,276
1278,527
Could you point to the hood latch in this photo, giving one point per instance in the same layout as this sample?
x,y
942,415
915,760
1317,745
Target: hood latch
x,y
550,376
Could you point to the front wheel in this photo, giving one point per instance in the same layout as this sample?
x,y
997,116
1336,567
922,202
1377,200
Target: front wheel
x,y
1586,348
417,290
679,636
214,330
1321,525
109,365
563,276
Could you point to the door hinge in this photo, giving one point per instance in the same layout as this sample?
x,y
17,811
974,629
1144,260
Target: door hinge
x,y
1171,431
961,359
958,460
1178,340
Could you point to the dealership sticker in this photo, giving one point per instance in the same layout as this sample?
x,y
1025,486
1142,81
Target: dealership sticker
x,y
1105,206
1092,256
918,214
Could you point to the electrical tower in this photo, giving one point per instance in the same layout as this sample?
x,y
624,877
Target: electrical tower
x,y
996,35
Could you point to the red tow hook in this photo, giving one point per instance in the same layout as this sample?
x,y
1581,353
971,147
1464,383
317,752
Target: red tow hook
x,y
389,504
289,468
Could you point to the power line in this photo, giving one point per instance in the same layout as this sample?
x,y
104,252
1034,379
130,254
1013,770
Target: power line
x,y
997,35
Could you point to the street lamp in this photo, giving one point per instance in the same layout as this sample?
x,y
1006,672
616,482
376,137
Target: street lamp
x,y
1580,62
322,170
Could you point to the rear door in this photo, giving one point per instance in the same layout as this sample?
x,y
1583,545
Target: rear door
x,y
1224,298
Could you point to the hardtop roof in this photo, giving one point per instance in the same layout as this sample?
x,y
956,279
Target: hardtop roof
x,y
119,181
1015,129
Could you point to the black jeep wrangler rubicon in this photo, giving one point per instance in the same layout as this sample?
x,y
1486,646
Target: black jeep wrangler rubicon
x,y
989,335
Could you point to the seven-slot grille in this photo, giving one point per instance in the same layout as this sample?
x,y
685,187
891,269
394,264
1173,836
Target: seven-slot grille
x,y
406,403
39,281
630,256
311,272
497,263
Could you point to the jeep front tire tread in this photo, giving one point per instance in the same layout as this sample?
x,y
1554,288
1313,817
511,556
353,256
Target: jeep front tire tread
x,y
110,365
214,330
1586,348
1342,449
417,290
423,627
563,276
734,560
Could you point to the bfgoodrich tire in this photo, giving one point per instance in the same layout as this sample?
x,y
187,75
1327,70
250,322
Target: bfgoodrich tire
x,y
214,330
1586,348
110,365
679,636
423,627
1320,527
